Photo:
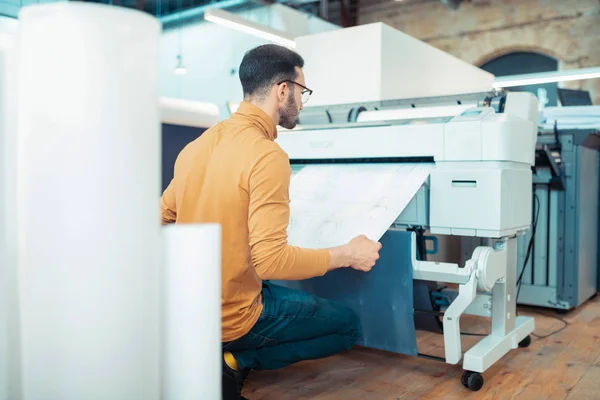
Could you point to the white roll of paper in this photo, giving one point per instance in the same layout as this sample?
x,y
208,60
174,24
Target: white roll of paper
x,y
90,124
188,112
192,313
9,307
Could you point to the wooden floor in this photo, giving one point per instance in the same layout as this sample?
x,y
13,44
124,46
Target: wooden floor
x,y
563,366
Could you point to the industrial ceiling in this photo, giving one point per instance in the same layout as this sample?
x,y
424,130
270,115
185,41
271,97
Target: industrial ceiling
x,y
340,12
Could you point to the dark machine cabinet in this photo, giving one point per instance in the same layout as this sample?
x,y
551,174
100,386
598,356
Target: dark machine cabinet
x,y
562,270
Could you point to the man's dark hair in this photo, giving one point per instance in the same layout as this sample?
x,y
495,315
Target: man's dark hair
x,y
265,66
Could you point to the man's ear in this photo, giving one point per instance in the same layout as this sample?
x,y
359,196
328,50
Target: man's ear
x,y
281,91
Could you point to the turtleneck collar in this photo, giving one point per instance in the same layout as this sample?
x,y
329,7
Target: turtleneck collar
x,y
257,117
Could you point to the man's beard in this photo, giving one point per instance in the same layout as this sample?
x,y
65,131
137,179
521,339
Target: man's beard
x,y
288,114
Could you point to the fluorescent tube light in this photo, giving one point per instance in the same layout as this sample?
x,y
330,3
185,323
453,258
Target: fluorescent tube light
x,y
414,113
547,77
233,21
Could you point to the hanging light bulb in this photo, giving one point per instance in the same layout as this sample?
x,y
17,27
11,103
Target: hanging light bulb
x,y
180,69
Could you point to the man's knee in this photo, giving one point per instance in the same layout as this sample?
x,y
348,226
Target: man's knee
x,y
352,330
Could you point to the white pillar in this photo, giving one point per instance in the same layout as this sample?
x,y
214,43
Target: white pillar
x,y
89,125
9,307
192,312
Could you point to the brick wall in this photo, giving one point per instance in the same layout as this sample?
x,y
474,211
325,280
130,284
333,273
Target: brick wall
x,y
480,30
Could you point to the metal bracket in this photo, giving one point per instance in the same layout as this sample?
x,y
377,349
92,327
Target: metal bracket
x,y
492,269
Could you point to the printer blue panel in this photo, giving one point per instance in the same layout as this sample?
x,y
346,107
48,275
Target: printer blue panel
x,y
383,297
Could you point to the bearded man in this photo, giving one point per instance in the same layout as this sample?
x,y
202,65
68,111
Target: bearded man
x,y
236,175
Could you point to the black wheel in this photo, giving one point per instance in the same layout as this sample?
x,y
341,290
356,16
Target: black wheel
x,y
525,342
464,379
475,381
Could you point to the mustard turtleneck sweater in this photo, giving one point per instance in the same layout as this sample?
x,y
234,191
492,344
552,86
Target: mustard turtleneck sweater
x,y
236,175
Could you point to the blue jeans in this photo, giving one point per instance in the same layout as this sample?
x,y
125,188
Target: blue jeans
x,y
294,326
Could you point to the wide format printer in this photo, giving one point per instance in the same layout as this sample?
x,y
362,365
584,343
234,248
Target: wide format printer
x,y
558,257
416,140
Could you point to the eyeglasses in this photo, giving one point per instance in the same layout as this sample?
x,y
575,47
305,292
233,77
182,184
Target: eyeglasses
x,y
306,93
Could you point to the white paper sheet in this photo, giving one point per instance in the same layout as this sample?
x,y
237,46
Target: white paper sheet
x,y
332,204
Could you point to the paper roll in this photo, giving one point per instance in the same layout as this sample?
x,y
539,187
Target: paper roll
x,y
188,112
9,308
192,313
90,125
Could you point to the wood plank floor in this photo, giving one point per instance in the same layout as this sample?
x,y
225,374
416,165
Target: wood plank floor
x,y
563,366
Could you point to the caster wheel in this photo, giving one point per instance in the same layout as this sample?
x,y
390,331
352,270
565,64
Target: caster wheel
x,y
472,380
464,379
525,342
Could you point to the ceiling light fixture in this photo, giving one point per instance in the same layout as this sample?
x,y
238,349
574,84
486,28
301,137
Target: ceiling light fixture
x,y
546,77
233,21
180,69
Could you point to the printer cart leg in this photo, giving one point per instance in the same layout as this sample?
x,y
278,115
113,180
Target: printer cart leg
x,y
493,270
509,331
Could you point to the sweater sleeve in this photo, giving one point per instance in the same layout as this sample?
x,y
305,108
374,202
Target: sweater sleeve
x,y
168,214
268,218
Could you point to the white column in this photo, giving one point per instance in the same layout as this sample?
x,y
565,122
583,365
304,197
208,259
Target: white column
x,y
192,313
89,125
9,308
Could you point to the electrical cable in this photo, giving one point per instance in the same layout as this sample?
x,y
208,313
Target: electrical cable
x,y
474,334
520,279
530,246
565,324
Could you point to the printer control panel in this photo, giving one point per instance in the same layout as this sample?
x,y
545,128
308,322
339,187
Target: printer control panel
x,y
473,114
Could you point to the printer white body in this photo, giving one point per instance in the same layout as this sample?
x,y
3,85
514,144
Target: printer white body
x,y
483,156
483,159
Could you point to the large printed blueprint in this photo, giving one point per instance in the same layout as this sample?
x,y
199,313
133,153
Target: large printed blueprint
x,y
331,204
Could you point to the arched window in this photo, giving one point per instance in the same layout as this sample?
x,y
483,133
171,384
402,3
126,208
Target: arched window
x,y
521,62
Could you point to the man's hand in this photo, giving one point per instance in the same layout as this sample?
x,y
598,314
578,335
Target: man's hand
x,y
360,254
364,253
